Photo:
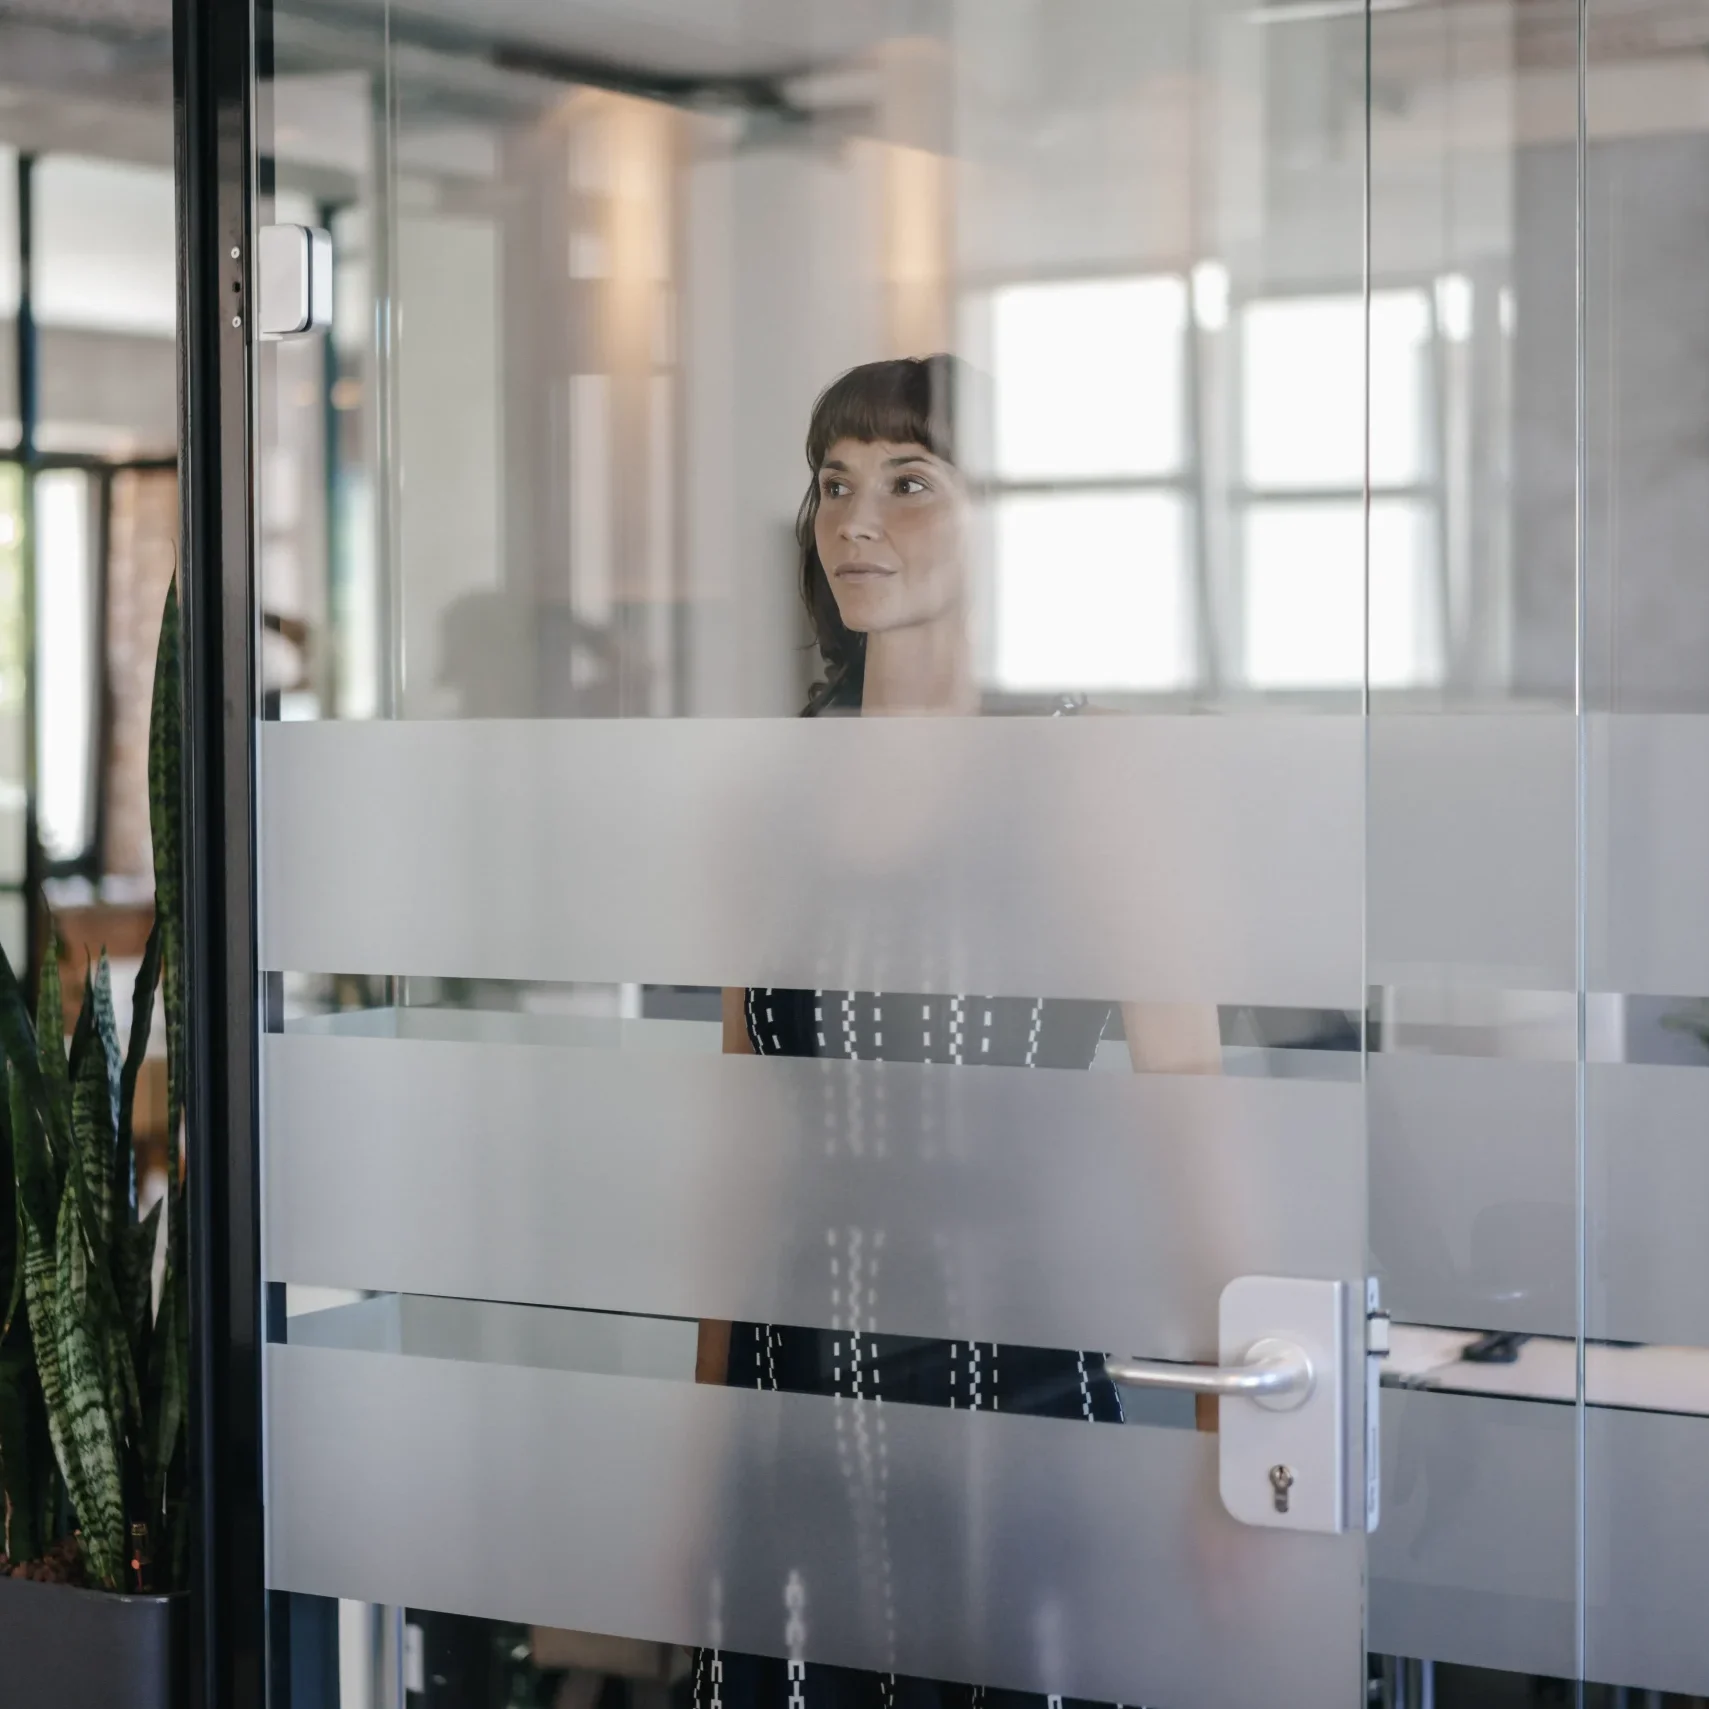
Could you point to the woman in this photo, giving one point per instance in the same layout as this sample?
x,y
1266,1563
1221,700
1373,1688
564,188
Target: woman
x,y
886,542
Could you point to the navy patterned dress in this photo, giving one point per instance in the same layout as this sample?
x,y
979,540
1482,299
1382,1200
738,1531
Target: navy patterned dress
x,y
964,1031
955,1031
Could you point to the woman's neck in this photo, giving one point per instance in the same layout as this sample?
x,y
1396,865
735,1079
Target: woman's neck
x,y
925,668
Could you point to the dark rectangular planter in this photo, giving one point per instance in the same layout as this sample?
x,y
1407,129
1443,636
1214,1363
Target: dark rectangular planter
x,y
83,1649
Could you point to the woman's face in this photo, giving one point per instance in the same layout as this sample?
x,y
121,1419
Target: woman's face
x,y
893,533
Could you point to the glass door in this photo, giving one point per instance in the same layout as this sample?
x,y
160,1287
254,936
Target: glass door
x,y
813,837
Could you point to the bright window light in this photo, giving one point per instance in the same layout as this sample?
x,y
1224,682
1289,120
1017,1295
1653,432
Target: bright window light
x,y
1305,596
65,657
1088,378
1210,295
1092,592
8,233
1454,307
1400,358
1303,384
1407,644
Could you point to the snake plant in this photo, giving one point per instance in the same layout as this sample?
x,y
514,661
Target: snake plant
x,y
94,1355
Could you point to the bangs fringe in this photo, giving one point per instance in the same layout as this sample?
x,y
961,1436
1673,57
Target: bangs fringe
x,y
909,401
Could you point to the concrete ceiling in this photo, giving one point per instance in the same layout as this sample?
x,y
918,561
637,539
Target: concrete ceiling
x,y
676,38
94,76
87,77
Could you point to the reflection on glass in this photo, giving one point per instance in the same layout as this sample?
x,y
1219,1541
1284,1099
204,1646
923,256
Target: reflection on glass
x,y
579,339
577,335
65,662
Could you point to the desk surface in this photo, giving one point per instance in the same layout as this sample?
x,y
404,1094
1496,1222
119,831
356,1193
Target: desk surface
x,y
1649,1379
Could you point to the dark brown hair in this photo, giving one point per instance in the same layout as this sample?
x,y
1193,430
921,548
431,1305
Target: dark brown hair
x,y
907,401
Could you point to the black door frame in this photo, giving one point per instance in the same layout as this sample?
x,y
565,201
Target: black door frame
x,y
214,61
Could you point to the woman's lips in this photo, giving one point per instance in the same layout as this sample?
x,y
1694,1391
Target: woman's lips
x,y
861,572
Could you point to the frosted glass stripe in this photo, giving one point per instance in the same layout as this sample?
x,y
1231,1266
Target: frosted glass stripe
x,y
1646,1557
1028,1553
1472,853
1193,859
1647,812
1039,1207
1473,1191
1475,1558
1647,1181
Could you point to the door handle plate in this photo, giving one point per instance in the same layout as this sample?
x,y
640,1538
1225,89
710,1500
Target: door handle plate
x,y
293,280
1286,1466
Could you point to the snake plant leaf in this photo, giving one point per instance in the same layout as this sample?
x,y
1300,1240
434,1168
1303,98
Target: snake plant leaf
x,y
50,1052
15,1297
22,1472
107,1031
26,1458
38,1182
92,1115
142,1018
11,1233
90,1460
18,1125
79,1435
40,1286
165,818
134,1256
168,1376
89,1190
18,1035
83,1028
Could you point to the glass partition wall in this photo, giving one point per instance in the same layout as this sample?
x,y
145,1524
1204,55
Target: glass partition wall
x,y
1278,580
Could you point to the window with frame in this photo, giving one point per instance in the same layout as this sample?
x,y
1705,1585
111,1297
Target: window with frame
x,y
1303,396
1089,490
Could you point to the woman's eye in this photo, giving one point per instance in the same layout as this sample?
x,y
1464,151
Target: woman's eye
x,y
833,489
911,484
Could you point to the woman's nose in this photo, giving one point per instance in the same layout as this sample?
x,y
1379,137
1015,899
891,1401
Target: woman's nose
x,y
860,521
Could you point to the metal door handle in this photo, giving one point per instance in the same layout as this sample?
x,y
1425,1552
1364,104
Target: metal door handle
x,y
1272,1369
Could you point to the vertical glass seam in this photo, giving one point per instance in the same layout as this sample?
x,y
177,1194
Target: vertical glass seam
x,y
1581,885
388,481
1368,1436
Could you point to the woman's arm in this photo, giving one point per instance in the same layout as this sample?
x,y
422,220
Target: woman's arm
x,y
735,1010
712,1352
1170,1038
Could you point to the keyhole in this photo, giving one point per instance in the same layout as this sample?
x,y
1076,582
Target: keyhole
x,y
1281,1481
